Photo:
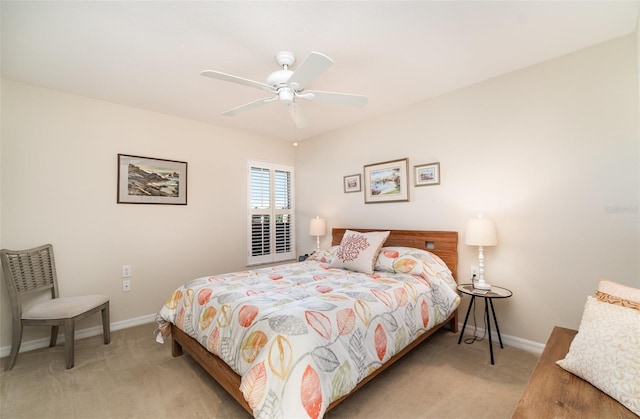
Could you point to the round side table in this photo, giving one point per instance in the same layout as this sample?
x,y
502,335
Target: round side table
x,y
487,295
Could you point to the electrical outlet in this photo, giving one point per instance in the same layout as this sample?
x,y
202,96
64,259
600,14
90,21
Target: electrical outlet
x,y
126,271
126,285
475,271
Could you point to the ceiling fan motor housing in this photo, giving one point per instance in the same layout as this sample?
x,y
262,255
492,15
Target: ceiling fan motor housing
x,y
279,78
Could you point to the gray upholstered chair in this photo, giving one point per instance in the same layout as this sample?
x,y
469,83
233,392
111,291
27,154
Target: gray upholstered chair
x,y
33,270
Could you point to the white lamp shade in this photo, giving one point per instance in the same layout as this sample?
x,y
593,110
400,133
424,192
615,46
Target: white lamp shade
x,y
481,232
318,227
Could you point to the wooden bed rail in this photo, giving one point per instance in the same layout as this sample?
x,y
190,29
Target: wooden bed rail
x,y
230,381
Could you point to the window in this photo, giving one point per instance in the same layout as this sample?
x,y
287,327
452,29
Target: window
x,y
271,232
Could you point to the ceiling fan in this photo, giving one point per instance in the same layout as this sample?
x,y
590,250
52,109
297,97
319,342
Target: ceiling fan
x,y
288,86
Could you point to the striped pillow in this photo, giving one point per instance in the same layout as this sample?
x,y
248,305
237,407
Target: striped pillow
x,y
618,294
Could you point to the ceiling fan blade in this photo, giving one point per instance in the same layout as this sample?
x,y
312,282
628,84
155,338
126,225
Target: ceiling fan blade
x,y
311,67
248,106
235,79
298,115
336,98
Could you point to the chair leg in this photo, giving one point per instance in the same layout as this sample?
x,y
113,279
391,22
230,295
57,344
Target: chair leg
x,y
54,336
69,338
16,340
106,326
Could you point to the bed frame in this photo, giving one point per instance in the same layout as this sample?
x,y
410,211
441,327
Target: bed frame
x,y
442,243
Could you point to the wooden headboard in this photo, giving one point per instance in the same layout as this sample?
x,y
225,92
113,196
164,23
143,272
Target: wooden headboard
x,y
442,243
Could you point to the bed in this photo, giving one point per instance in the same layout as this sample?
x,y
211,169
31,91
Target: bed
x,y
294,340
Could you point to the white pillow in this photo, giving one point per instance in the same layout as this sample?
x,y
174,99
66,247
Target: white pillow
x,y
324,255
606,351
397,259
359,251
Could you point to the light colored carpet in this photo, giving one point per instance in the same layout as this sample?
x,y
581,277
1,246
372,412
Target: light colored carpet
x,y
135,377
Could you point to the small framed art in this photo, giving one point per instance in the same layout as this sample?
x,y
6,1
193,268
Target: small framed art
x,y
146,180
427,174
352,183
386,182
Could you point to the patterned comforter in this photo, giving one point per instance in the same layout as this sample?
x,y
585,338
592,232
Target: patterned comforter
x,y
304,334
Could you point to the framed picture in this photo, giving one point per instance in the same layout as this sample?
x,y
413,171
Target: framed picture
x,y
145,180
427,174
386,182
352,183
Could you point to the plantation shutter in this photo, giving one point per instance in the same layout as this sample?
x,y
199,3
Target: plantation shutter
x,y
283,212
271,232
260,187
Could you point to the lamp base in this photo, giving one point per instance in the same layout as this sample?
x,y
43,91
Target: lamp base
x,y
481,285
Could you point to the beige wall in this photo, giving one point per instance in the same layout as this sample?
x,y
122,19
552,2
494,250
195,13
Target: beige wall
x,y
58,184
550,152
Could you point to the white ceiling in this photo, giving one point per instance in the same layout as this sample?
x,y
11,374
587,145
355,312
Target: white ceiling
x,y
149,54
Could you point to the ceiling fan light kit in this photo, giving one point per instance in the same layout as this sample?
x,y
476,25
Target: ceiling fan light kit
x,y
286,95
287,86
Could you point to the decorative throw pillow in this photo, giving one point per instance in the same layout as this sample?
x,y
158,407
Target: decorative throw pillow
x,y
606,353
359,251
618,294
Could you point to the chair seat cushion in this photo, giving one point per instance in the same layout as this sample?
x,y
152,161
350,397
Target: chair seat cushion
x,y
64,307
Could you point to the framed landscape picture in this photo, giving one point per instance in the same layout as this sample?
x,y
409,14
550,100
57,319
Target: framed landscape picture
x,y
427,174
352,183
146,180
386,182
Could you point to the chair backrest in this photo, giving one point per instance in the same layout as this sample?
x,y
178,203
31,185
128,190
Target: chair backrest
x,y
30,270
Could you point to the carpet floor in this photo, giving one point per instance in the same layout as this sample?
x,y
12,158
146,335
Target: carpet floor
x,y
135,377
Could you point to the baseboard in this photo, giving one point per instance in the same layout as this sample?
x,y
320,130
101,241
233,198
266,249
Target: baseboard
x,y
80,334
516,342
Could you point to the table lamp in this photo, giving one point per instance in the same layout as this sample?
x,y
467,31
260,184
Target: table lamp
x,y
481,232
317,228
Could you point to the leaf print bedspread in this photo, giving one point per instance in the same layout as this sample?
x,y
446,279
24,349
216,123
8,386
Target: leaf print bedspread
x,y
304,334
